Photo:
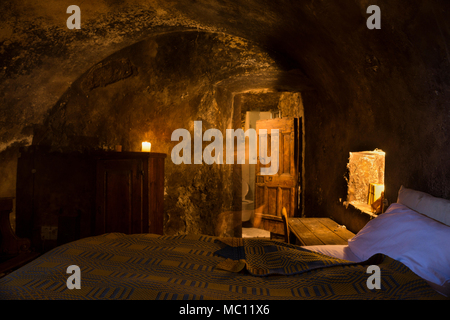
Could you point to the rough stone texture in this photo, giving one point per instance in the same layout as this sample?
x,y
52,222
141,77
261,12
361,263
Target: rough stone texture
x,y
104,74
144,93
291,105
259,101
386,89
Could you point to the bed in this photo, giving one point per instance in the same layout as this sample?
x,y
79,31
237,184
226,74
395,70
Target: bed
x,y
409,248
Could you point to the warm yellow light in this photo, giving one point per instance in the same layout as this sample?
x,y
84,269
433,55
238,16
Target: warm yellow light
x,y
146,146
365,168
375,191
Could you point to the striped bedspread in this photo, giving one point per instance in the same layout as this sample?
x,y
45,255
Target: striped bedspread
x,y
146,266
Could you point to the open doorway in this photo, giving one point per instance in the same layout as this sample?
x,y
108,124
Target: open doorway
x,y
257,106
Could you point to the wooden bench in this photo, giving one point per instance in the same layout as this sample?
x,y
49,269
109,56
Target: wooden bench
x,y
317,231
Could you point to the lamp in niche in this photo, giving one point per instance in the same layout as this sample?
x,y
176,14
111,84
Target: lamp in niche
x,y
366,180
375,192
146,146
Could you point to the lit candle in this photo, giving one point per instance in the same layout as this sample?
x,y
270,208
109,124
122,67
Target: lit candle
x,y
146,146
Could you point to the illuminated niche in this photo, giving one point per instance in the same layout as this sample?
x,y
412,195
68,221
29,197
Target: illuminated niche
x,y
366,180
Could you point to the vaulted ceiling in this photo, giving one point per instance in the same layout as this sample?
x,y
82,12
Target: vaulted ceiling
x,y
386,88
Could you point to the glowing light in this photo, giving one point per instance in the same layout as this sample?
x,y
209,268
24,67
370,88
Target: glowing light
x,y
146,146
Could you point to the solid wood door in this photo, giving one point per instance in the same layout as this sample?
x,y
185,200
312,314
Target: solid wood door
x,y
273,192
119,196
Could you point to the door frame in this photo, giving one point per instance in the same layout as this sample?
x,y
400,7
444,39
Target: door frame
x,y
237,170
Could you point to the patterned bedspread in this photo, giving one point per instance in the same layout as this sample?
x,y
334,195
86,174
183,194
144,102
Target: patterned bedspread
x,y
146,266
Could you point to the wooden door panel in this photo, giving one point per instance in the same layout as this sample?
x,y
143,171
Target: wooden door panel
x,y
277,197
273,192
259,196
271,201
155,197
286,199
287,154
119,196
118,207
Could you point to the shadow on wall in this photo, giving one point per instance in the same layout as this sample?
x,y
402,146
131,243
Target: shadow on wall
x,y
145,92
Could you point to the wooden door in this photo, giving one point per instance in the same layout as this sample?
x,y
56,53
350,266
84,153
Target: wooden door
x,y
119,196
273,192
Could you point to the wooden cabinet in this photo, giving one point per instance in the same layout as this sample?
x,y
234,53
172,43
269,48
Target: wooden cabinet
x,y
77,195
130,193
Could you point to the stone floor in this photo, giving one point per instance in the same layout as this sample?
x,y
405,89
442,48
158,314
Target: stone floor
x,y
255,233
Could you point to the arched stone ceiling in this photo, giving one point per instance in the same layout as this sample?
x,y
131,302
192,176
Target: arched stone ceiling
x,y
385,88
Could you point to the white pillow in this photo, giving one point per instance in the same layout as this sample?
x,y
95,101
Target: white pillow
x,y
435,208
420,243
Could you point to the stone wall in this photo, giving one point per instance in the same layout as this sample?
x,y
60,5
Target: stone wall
x,y
386,89
146,91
